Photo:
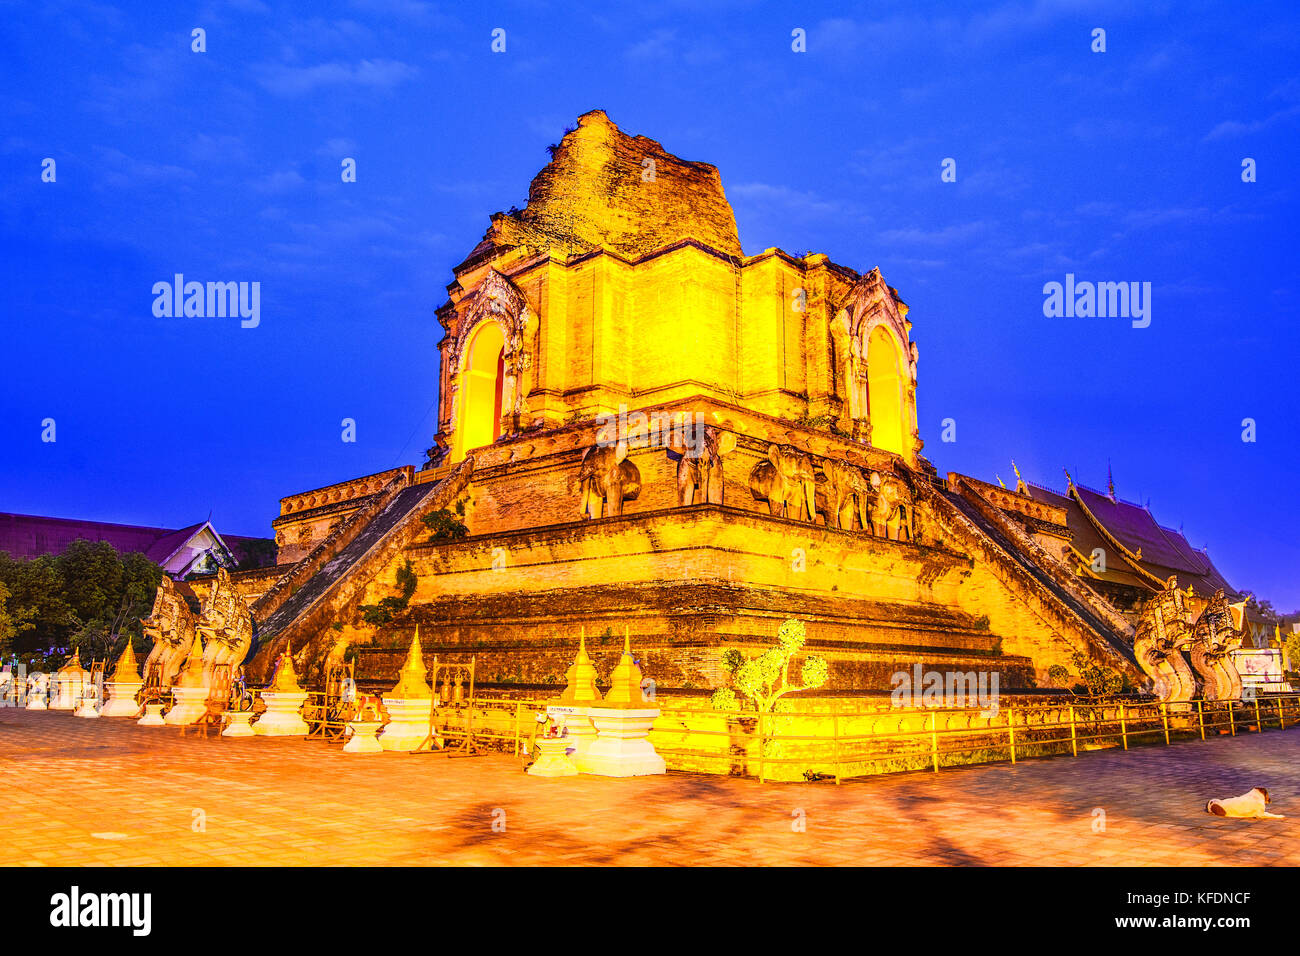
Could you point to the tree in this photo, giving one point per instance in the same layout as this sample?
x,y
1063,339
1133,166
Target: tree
x,y
258,553
766,679
8,629
389,607
83,599
1097,679
1292,644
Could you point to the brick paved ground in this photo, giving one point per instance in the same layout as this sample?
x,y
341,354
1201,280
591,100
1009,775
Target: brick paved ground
x,y
105,791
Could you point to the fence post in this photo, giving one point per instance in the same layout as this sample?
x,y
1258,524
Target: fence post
x,y
1011,731
1259,724
934,740
1074,740
518,708
762,743
1281,713
835,733
1200,716
1164,716
1123,727
1232,719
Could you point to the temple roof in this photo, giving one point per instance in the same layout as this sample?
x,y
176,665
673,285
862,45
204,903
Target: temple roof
x,y
1160,551
604,189
29,536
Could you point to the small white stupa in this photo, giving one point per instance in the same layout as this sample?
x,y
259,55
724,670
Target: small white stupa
x,y
122,686
284,700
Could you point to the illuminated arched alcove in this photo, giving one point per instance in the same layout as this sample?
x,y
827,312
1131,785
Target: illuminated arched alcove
x,y
885,393
481,384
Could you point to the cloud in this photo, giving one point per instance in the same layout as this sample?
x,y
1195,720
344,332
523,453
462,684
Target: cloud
x,y
120,170
282,180
1230,128
782,200
957,232
284,80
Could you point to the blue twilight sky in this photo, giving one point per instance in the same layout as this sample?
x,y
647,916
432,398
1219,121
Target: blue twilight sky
x,y
224,165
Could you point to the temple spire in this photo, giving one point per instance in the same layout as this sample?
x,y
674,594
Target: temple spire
x,y
1110,482
1021,487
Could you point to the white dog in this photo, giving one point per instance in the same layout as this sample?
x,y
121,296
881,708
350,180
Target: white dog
x,y
1249,805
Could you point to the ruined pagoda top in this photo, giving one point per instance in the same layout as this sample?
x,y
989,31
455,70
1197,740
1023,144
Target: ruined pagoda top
x,y
604,189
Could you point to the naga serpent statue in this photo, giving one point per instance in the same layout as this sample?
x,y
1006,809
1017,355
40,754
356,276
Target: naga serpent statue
x,y
171,626
1163,632
226,626
1214,636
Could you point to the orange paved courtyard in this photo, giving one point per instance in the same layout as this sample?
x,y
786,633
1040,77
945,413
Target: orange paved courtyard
x,y
106,792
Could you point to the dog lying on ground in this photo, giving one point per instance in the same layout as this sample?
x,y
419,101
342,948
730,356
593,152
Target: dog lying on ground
x,y
1249,805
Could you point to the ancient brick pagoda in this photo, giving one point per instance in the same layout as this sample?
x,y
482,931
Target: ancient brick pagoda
x,y
640,425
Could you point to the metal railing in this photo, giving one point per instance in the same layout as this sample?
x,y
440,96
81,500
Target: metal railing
x,y
844,739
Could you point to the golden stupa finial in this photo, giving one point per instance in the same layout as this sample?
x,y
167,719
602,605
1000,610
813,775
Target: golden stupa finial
x,y
286,681
193,675
411,683
1001,484
625,682
126,670
580,678
1021,487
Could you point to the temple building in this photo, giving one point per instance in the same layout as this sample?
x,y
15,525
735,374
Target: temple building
x,y
641,426
196,549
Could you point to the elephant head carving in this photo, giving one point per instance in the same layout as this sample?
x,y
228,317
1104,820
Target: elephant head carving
x,y
699,469
891,515
787,482
845,493
606,479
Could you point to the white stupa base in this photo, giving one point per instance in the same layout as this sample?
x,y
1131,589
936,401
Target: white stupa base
x,y
363,739
66,697
35,702
408,723
553,758
153,716
191,704
89,707
282,717
577,723
121,700
239,723
621,748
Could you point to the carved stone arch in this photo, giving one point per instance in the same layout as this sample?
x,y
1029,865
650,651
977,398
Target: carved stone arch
x,y
496,300
872,305
850,381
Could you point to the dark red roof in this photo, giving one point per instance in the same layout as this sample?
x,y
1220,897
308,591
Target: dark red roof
x,y
1164,552
31,536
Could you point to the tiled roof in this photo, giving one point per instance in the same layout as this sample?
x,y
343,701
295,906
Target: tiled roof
x,y
31,536
1163,552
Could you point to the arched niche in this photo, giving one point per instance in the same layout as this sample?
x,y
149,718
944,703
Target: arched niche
x,y
482,382
886,393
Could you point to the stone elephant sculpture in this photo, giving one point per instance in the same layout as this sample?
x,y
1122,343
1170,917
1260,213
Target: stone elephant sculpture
x,y
787,482
845,493
699,469
891,514
606,479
